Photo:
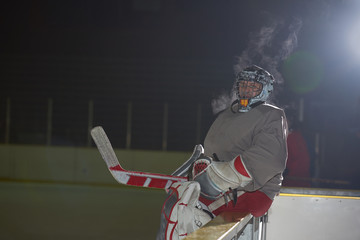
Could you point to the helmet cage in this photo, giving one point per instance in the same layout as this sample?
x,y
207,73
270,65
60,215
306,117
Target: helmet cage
x,y
254,74
246,90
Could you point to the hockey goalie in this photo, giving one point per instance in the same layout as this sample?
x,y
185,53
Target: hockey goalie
x,y
241,167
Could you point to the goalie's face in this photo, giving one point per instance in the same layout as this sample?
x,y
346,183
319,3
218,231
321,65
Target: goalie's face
x,y
249,89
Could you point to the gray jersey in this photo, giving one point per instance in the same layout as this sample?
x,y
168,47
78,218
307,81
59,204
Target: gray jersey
x,y
259,137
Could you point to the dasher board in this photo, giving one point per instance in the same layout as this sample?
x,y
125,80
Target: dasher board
x,y
325,217
226,226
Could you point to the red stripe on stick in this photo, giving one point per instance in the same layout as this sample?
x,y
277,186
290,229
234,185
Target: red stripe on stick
x,y
136,181
158,183
116,168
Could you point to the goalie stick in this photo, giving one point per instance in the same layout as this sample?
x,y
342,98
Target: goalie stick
x,y
135,178
183,169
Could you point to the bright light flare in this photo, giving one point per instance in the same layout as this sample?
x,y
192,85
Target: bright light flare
x,y
353,40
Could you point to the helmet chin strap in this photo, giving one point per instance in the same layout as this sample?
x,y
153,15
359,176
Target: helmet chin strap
x,y
233,104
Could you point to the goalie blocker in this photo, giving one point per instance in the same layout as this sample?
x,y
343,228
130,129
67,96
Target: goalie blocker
x,y
216,178
222,185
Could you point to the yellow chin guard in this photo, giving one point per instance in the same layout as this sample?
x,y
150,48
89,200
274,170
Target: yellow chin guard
x,y
244,102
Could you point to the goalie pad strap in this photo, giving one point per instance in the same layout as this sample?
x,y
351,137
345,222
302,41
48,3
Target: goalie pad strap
x,y
222,201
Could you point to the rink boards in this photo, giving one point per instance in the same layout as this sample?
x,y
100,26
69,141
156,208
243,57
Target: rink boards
x,y
298,214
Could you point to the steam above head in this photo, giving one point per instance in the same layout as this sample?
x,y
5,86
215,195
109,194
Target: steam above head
x,y
269,46
266,48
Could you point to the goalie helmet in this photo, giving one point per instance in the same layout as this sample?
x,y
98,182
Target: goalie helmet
x,y
253,87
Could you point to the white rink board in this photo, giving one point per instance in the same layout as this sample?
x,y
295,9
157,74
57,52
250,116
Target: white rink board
x,y
312,217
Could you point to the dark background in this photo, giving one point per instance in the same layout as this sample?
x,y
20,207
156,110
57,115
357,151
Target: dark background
x,y
183,53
